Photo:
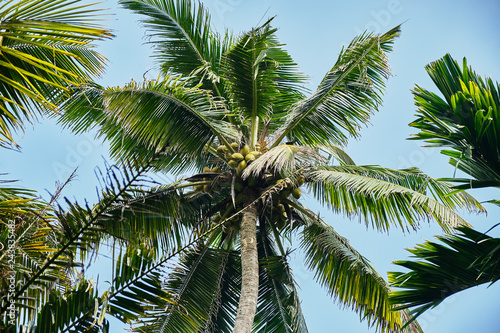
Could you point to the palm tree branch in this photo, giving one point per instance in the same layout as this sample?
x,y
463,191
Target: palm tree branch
x,y
347,275
382,196
357,70
458,262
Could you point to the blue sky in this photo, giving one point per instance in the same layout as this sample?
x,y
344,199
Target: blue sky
x,y
314,32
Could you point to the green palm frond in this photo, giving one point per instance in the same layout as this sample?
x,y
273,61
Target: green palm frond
x,y
70,312
284,160
186,121
261,76
27,239
225,301
382,196
465,124
348,276
75,232
84,110
164,113
458,262
162,217
278,308
183,40
347,95
16,201
467,120
199,276
136,291
338,154
44,48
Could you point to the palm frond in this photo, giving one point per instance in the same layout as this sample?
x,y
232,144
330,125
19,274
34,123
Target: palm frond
x,y
195,284
76,232
70,312
28,238
262,78
159,114
278,307
337,154
346,97
382,196
284,160
45,48
164,118
162,217
348,276
458,262
183,40
467,120
136,291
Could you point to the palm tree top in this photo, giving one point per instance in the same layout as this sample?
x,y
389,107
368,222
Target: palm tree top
x,y
234,110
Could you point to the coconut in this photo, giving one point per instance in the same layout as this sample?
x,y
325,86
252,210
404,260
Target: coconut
x,y
249,157
221,150
233,164
237,156
245,150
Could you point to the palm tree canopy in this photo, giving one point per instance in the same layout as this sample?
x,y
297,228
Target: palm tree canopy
x,y
466,122
466,125
233,109
44,49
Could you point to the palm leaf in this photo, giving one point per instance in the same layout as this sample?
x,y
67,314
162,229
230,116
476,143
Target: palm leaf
x,y
183,41
29,231
337,154
262,78
162,217
136,291
348,276
278,307
347,95
194,282
458,262
382,196
75,233
165,118
467,120
70,313
283,160
44,49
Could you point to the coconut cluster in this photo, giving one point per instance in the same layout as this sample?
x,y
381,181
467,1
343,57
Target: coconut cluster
x,y
278,210
207,187
283,188
240,158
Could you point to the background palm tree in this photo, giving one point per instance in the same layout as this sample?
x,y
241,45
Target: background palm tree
x,y
233,109
44,50
466,124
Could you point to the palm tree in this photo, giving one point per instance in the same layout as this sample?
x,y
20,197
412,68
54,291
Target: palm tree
x,y
44,49
234,111
465,125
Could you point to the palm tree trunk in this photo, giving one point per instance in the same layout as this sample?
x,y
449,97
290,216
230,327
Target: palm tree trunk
x,y
250,272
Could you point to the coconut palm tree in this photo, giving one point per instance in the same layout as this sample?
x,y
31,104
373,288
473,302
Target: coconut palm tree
x,y
233,114
44,49
465,125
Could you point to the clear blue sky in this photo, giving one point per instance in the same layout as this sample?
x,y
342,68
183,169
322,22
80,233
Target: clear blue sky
x,y
314,32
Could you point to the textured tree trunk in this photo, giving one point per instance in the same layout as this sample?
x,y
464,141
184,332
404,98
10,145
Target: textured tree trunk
x,y
250,272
